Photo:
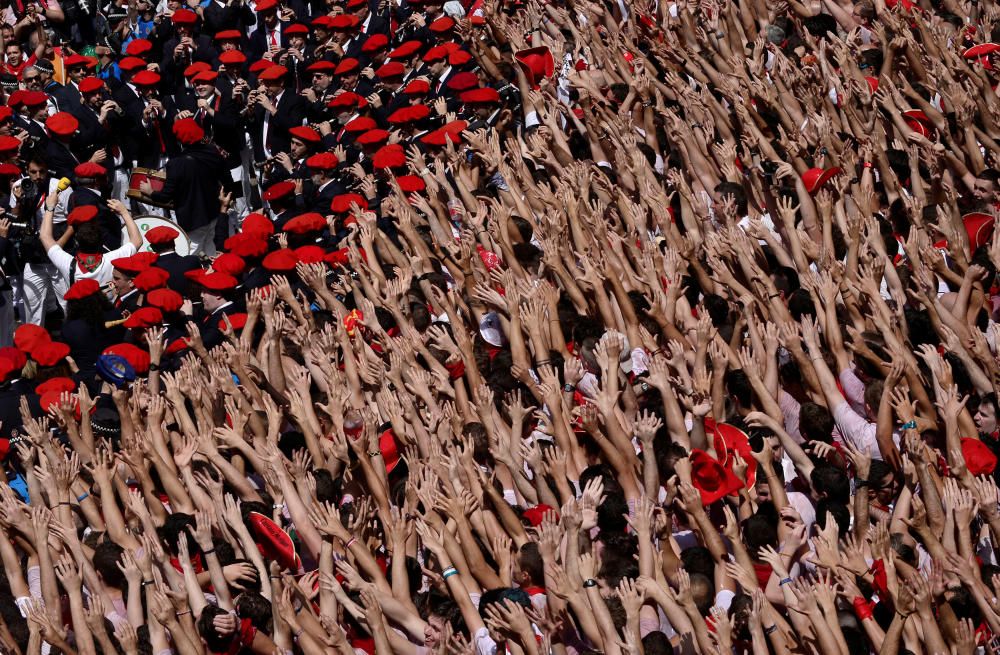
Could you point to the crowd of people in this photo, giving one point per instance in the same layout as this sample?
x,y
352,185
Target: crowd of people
x,y
425,327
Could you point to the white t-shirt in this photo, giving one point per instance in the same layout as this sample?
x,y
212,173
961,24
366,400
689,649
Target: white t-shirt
x,y
65,262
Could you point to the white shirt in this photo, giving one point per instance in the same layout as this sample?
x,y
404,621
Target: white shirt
x,y
267,123
66,262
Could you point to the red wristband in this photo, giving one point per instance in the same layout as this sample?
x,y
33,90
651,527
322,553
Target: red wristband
x,y
862,608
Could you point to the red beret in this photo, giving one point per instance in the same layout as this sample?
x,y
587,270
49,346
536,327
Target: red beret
x,y
390,69
322,66
256,224
437,53
16,98
50,354
151,278
82,289
417,88
281,260
305,134
410,114
90,169
323,161
278,190
347,100
138,47
306,223
62,123
459,57
406,50
29,336
75,60
9,170
9,143
137,358
344,22
56,385
411,183
342,204
205,76
310,254
218,281
272,73
195,68
145,258
389,156
232,58
34,98
129,265
5,113
188,131
228,35
266,5
322,22
82,214
131,63
486,95
442,25
297,28
375,43
372,137
166,300
146,78
360,124
17,358
91,84
261,65
144,317
347,65
246,245
229,263
184,17
462,81
162,234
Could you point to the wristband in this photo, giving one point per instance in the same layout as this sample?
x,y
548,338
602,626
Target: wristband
x,y
862,608
350,543
771,629
146,582
374,453
180,614
860,482
785,581
569,388
448,572
867,164
909,425
208,552
589,582
82,497
154,367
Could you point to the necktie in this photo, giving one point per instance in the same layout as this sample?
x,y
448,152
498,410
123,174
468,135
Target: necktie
x,y
274,39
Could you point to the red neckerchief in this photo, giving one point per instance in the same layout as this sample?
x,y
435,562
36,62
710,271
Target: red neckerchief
x,y
88,263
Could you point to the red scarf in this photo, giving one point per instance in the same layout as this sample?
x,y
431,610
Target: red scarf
x,y
88,263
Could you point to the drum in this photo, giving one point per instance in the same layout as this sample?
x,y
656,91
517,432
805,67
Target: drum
x,y
182,245
156,180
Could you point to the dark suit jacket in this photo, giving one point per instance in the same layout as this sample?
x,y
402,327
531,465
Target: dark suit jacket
x,y
260,42
177,266
194,178
290,112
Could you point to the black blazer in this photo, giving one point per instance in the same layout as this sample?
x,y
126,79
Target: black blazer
x,y
290,112
194,178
